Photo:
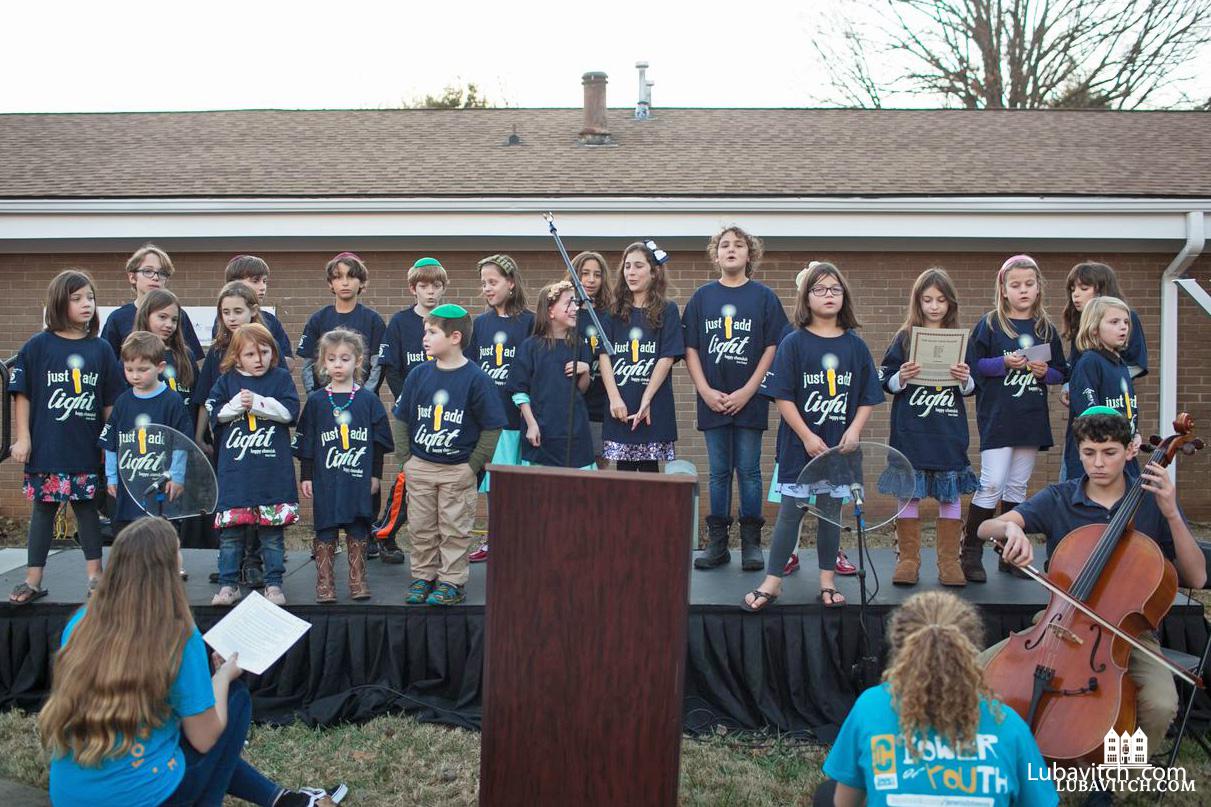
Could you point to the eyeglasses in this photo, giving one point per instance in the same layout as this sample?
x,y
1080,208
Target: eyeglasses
x,y
828,291
153,274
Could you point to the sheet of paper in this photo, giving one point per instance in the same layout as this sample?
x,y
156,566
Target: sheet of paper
x,y
1040,352
259,631
936,350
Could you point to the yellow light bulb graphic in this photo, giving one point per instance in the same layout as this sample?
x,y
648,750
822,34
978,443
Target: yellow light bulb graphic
x,y
635,334
829,363
440,398
1126,397
500,338
729,311
171,375
344,421
251,422
141,423
76,363
592,334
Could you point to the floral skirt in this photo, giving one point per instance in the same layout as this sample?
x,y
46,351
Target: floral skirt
x,y
638,452
265,515
61,487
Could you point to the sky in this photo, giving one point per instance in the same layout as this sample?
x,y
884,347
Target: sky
x,y
131,55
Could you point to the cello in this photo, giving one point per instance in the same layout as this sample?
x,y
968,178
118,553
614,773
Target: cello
x,y
1067,674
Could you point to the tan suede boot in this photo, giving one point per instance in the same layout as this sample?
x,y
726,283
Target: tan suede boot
x,y
358,588
950,536
325,580
908,547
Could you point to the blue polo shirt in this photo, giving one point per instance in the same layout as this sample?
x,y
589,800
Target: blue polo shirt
x,y
1058,509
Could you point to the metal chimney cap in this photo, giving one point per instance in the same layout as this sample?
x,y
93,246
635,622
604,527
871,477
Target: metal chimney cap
x,y
642,65
594,75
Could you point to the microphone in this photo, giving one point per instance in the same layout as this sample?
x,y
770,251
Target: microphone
x,y
855,488
158,485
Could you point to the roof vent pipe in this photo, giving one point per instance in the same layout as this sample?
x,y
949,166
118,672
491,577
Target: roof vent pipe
x,y
643,107
596,131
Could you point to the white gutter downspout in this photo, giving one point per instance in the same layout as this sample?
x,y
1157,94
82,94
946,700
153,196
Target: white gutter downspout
x,y
1196,239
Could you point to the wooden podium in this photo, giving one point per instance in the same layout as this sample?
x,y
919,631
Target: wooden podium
x,y
588,592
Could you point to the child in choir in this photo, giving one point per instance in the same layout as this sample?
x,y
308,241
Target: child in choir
x,y
347,279
825,385
645,328
732,329
448,419
929,426
64,382
541,381
401,349
340,442
1101,375
1011,399
124,438
497,334
159,313
254,273
147,269
255,402
237,305
591,269
1087,281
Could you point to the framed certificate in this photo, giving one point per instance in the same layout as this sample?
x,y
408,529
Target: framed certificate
x,y
936,350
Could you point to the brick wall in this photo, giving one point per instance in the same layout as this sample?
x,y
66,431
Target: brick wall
x,y
880,283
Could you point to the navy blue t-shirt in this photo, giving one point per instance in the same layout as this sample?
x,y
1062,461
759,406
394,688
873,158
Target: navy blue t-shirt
x,y
145,463
493,347
1011,410
595,398
275,329
445,411
928,424
637,348
827,378
255,464
361,319
1058,509
403,346
68,383
178,385
538,371
1135,355
731,327
208,374
343,457
121,322
1099,378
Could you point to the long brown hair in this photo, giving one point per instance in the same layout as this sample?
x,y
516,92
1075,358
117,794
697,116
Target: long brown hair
x,y
999,315
58,301
235,288
935,277
932,633
603,300
1088,273
508,269
817,271
548,295
182,357
112,677
252,332
657,293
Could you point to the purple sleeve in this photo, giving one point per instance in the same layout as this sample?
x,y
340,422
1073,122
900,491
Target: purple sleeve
x,y
992,366
1053,376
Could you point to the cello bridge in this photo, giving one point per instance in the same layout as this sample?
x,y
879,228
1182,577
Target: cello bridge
x,y
1065,634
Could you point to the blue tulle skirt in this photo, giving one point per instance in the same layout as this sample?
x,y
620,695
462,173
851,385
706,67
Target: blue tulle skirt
x,y
945,486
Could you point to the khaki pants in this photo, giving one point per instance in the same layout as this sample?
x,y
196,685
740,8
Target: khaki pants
x,y
441,513
1156,691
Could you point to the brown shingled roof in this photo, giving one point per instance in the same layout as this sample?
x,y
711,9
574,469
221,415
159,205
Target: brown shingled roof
x,y
678,152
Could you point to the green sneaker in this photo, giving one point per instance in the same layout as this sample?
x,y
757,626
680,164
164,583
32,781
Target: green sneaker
x,y
446,594
418,592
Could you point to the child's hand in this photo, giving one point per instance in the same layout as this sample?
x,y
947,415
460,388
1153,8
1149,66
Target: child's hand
x,y
716,401
642,415
113,490
618,409
229,668
1014,362
582,367
376,485
20,451
960,372
850,440
735,401
909,369
246,399
305,488
174,491
814,445
1064,399
1039,368
533,435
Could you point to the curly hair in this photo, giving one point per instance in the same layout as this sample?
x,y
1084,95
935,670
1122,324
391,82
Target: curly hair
x,y
756,247
930,633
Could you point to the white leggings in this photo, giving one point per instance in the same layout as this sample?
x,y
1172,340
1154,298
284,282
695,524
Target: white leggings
x,y
1004,473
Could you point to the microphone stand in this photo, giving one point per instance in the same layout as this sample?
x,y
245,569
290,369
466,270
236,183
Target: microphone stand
x,y
866,670
582,302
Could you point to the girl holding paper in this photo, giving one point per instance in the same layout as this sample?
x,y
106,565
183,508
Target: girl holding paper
x,y
1006,353
134,714
929,426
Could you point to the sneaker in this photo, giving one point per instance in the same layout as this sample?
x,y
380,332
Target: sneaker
x,y
792,565
418,592
446,594
372,549
226,597
311,797
275,595
843,566
479,555
389,551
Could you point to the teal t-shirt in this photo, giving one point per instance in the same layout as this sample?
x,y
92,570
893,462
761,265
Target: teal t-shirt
x,y
153,768
1005,768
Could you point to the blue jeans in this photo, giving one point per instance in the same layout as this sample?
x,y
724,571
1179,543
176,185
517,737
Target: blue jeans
x,y
728,449
221,770
231,552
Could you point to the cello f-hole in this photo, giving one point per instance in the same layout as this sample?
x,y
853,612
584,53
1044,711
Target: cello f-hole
x,y
1031,644
1097,642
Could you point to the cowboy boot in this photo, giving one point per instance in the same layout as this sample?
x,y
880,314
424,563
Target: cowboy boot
x,y
716,553
973,548
908,552
325,580
358,588
751,559
950,573
1002,566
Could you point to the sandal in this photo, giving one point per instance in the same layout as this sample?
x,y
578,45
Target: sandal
x,y
835,598
23,594
418,592
762,598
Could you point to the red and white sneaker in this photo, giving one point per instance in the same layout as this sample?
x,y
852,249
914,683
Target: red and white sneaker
x,y
479,555
792,565
843,566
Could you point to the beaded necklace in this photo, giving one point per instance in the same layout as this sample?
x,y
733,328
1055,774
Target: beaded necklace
x,y
336,410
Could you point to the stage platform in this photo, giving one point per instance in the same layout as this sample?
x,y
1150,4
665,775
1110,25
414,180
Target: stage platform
x,y
789,668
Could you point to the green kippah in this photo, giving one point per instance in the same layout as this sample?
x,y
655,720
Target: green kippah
x,y
1101,410
449,311
423,262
